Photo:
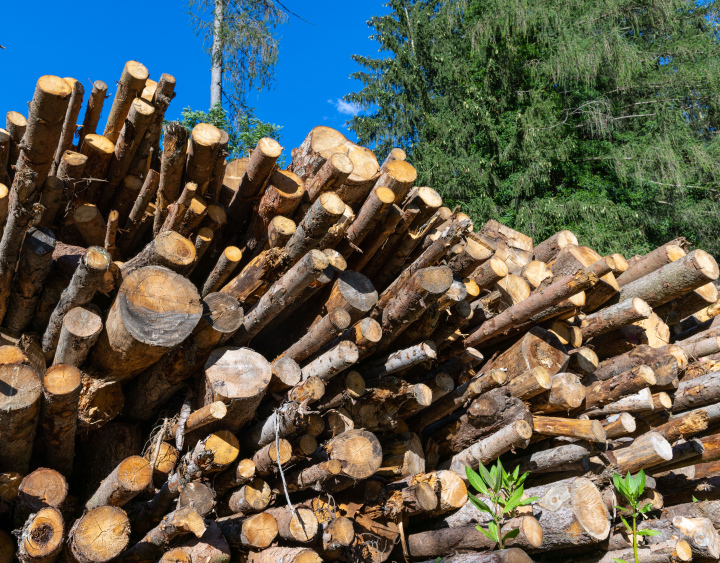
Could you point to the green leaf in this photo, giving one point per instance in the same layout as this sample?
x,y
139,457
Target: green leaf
x,y
486,475
498,477
487,534
641,476
495,531
475,480
626,524
619,560
647,508
480,505
618,482
511,534
516,473
621,508
694,499
648,533
521,481
527,501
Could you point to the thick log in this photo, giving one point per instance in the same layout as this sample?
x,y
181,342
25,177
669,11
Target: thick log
x,y
168,249
574,258
402,456
269,457
611,390
653,449
548,249
566,393
617,425
282,292
697,392
352,292
69,123
99,536
642,355
80,330
221,317
637,402
93,110
555,293
58,419
33,268
254,496
371,212
675,311
535,273
651,262
19,409
41,537
673,280
591,430
99,151
41,488
237,475
583,360
229,259
701,348
181,522
140,328
239,378
332,362
360,456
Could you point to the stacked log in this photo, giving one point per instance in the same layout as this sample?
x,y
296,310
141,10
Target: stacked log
x,y
233,361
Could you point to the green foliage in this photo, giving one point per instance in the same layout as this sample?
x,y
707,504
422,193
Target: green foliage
x,y
248,47
632,489
504,491
243,137
597,117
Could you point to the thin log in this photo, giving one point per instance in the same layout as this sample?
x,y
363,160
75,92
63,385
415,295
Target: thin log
x,y
130,86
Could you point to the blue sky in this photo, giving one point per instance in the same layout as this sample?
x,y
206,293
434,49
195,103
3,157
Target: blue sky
x,y
92,40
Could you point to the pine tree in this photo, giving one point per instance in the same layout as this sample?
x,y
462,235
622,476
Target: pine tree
x,y
598,117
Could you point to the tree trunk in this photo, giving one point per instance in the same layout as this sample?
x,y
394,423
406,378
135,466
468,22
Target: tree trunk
x,y
228,261
42,488
212,547
239,378
99,151
129,239
89,221
125,482
591,430
322,332
138,328
611,390
300,525
359,453
617,425
15,125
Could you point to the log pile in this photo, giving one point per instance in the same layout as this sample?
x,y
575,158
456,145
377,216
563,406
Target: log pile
x,y
204,360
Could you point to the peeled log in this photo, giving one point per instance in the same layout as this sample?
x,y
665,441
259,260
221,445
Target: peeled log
x,y
154,310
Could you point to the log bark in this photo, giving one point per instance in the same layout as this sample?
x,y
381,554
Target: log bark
x,y
591,430
90,223
282,292
70,122
574,258
172,164
15,125
20,214
40,489
269,457
399,361
614,317
697,392
332,174
46,115
653,449
322,332
673,280
98,536
221,317
371,212
130,86
661,256
228,261
140,329
538,347
99,151
555,293
58,419
125,482
135,215
611,390
19,409
642,355
83,286
617,425
239,378
212,547
33,268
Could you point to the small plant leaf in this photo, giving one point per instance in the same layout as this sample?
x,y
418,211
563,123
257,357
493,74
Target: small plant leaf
x,y
641,476
516,473
480,505
511,534
648,533
498,477
647,508
619,560
485,474
486,533
527,501
621,508
475,480
626,524
495,531
694,499
618,482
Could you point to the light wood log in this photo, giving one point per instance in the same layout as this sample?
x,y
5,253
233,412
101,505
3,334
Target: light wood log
x,y
41,488
359,453
70,122
99,151
212,547
537,348
90,223
19,409
642,355
615,316
651,450
573,258
591,430
697,392
331,175
130,86
322,332
400,360
93,110
41,537
652,261
299,525
15,125
136,214
140,328
548,249
611,390
239,378
125,482
98,536
332,362
617,425
228,261
640,401
583,360
172,164
181,522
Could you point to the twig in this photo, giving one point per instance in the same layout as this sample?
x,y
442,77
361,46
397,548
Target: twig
x,y
184,414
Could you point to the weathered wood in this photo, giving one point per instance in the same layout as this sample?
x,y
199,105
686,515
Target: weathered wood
x,y
41,537
19,409
139,327
98,536
322,332
332,362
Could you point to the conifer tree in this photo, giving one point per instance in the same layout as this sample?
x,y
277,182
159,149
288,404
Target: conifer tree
x,y
598,117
